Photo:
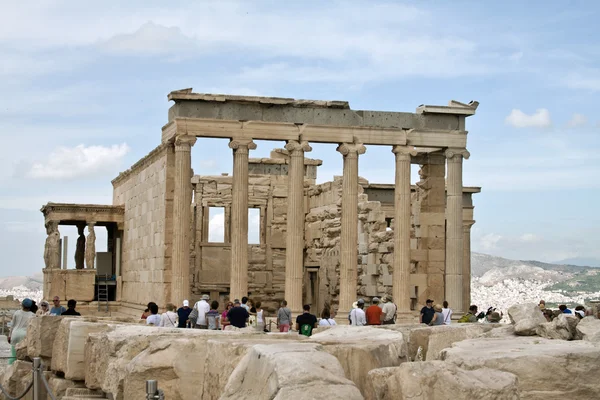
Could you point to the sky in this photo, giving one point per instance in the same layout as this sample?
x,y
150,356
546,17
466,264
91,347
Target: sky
x,y
84,95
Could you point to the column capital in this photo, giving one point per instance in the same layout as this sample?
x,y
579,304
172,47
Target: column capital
x,y
242,144
467,225
91,224
454,154
294,147
351,150
184,142
407,151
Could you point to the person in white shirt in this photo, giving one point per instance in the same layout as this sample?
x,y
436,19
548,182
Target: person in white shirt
x,y
326,319
357,315
389,309
446,313
202,307
153,318
169,318
18,328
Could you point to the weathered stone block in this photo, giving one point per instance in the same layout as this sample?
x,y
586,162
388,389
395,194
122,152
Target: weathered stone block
x,y
40,336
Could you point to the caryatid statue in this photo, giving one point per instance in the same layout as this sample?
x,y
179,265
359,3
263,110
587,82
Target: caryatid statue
x,y
80,249
52,247
90,247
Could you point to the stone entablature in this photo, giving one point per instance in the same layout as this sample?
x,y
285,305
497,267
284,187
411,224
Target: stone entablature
x,y
72,214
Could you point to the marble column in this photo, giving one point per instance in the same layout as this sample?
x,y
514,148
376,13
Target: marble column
x,y
90,246
349,239
52,247
401,266
182,200
454,229
239,218
294,252
467,263
80,247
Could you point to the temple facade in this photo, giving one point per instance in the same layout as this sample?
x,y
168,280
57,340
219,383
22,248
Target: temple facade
x,y
317,244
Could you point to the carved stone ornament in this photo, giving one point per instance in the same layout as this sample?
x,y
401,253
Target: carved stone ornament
x,y
52,246
80,248
351,150
242,144
295,146
452,153
184,142
406,150
90,247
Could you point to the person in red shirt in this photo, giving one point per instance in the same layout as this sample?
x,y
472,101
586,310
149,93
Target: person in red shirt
x,y
374,313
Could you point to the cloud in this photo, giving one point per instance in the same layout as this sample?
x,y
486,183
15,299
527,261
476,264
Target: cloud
x,y
587,80
216,225
539,119
530,238
68,163
489,241
577,120
208,164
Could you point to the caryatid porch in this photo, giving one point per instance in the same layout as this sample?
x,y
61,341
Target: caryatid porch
x,y
412,137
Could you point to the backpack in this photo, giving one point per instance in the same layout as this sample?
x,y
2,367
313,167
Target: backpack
x,y
306,329
464,318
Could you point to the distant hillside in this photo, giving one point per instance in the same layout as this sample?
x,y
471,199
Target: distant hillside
x,y
482,263
584,262
35,282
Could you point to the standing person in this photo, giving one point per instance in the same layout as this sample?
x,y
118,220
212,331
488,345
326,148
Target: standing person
x,y
357,315
260,317
245,303
153,318
389,310
224,320
71,304
57,309
447,313
427,313
306,322
202,307
438,316
212,316
374,313
183,315
284,317
238,316
168,319
18,327
326,319
44,308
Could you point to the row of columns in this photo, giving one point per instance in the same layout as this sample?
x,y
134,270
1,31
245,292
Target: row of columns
x,y
85,248
455,268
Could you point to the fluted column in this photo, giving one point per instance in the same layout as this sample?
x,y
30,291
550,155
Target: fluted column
x,y
239,218
454,229
401,275
467,263
349,240
182,200
294,250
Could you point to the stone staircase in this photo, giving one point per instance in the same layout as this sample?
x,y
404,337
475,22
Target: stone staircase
x,y
83,394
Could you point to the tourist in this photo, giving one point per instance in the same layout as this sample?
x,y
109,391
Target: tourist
x,y
357,315
563,309
427,313
238,316
183,315
469,317
438,316
447,313
306,322
212,316
18,327
202,308
245,303
542,304
224,320
147,312
260,317
252,307
57,309
374,313
168,319
34,307
153,318
548,314
389,310
44,308
71,304
580,312
284,317
326,319
494,317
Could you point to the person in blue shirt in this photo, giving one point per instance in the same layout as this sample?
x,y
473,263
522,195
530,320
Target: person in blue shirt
x,y
57,309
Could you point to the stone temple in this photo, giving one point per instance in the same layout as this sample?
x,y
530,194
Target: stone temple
x,y
317,243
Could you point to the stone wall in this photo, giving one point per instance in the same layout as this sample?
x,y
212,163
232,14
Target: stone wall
x,y
146,191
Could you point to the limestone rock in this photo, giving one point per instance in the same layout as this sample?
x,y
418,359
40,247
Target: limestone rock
x,y
361,349
60,386
546,369
526,317
436,380
442,337
562,327
41,332
376,387
589,329
291,370
21,349
17,377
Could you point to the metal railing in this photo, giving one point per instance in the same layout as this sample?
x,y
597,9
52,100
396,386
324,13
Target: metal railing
x,y
153,392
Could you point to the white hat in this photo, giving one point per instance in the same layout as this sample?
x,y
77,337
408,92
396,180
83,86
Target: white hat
x,y
355,304
205,297
186,303
580,312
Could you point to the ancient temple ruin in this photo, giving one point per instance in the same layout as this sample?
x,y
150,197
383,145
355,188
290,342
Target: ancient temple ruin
x,y
318,243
